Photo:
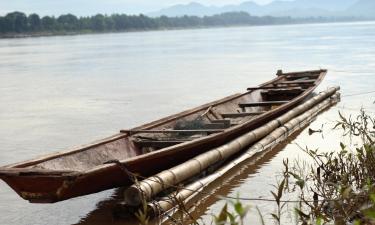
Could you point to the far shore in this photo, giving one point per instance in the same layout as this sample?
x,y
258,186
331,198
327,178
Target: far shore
x,y
73,33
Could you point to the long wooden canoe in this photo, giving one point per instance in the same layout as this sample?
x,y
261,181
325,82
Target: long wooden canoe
x,y
158,145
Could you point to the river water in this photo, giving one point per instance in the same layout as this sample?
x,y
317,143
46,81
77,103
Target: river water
x,y
58,92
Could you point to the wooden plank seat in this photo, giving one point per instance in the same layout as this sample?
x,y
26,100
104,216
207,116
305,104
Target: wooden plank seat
x,y
257,104
216,125
283,91
301,72
308,75
297,82
130,132
266,88
225,122
297,78
243,114
158,143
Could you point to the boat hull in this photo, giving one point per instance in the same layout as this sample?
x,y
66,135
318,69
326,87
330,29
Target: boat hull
x,y
47,188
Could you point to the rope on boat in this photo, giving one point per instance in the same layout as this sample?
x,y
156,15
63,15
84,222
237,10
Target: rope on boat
x,y
123,167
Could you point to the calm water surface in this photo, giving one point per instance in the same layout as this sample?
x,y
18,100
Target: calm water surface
x,y
58,92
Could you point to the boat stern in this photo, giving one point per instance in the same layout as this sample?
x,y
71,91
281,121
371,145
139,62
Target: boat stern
x,y
37,187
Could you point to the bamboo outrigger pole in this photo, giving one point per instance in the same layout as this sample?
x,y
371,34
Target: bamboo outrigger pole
x,y
146,189
261,147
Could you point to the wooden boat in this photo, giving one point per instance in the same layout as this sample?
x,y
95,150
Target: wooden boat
x,y
158,145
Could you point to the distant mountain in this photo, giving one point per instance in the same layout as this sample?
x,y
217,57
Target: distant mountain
x,y
192,8
76,7
296,8
364,8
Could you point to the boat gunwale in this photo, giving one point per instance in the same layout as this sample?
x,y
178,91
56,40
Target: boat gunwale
x,y
44,158
118,136
296,100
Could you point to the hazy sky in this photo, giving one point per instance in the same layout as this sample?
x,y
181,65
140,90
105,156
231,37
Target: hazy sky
x,y
88,7
208,2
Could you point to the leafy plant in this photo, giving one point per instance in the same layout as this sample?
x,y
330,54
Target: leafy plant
x,y
337,188
232,218
340,185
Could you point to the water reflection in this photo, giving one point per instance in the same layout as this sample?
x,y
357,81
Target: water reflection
x,y
211,195
103,214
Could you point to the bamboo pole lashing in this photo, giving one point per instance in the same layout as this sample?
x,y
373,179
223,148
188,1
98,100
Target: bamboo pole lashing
x,y
148,188
279,135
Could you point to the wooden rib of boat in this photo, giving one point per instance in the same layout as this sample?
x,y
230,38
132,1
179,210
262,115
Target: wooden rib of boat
x,y
158,145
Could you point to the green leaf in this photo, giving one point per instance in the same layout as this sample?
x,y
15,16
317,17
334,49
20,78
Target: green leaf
x,y
245,211
346,192
302,214
319,221
222,218
300,183
275,216
232,219
281,188
370,213
275,196
261,216
238,208
295,176
342,146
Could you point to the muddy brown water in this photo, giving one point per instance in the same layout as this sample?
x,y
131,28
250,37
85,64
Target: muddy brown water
x,y
58,92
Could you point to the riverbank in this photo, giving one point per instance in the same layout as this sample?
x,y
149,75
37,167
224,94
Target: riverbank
x,y
67,25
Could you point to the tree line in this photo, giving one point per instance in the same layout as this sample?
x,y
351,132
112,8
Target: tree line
x,y
19,22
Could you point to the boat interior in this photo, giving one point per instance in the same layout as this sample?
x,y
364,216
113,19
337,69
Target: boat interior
x,y
210,119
